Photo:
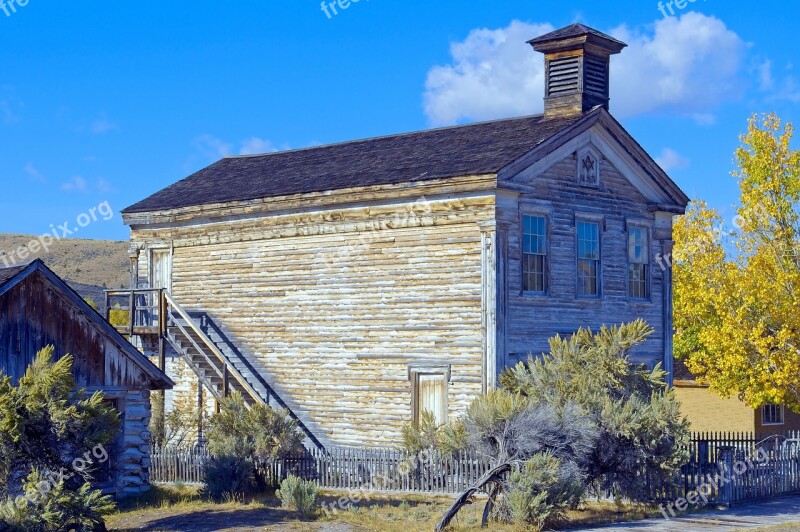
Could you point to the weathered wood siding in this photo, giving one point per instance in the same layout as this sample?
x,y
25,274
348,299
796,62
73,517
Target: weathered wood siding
x,y
533,319
337,304
33,315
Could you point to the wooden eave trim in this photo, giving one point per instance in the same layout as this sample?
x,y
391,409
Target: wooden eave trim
x,y
644,159
683,383
302,203
627,144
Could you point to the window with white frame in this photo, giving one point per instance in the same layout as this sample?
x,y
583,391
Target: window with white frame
x,y
430,393
534,254
588,258
772,415
638,263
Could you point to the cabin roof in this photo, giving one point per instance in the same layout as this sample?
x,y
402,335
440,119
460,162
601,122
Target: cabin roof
x,y
10,277
475,149
6,274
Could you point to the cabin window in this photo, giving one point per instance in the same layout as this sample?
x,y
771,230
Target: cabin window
x,y
430,393
534,254
638,263
772,415
588,258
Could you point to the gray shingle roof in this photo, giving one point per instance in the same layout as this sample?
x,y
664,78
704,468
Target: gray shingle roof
x,y
6,274
475,149
574,30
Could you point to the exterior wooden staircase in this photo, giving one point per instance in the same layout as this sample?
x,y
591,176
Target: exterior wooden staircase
x,y
220,366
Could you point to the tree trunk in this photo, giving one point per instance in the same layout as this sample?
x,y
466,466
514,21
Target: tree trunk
x,y
495,475
487,510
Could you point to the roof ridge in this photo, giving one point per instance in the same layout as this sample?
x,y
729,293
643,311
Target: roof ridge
x,y
389,136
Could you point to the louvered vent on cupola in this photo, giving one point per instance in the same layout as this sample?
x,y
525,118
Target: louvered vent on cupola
x,y
577,62
563,75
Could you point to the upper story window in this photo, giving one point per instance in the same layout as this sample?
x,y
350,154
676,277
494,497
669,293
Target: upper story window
x,y
534,254
772,415
588,258
638,263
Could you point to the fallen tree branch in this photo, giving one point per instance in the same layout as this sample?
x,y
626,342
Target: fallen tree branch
x,y
495,475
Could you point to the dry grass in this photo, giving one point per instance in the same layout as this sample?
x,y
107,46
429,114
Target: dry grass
x,y
785,527
181,508
101,263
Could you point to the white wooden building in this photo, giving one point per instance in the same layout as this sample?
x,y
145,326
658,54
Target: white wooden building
x,y
360,283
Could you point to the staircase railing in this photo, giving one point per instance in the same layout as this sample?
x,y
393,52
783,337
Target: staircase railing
x,y
152,312
227,369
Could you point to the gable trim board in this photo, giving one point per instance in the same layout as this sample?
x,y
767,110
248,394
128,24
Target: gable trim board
x,y
607,136
158,380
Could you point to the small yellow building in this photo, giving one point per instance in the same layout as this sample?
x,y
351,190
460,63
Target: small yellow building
x,y
708,412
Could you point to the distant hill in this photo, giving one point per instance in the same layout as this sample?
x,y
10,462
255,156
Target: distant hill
x,y
90,266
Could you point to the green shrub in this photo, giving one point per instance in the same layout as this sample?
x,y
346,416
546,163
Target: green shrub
x,y
245,442
228,476
542,490
51,508
300,496
46,423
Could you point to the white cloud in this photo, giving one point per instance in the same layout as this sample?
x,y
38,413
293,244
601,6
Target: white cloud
x,y
494,73
212,148
688,65
671,160
104,187
34,173
255,145
77,184
765,75
102,126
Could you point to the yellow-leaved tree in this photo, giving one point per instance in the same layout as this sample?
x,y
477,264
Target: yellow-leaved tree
x,y
737,310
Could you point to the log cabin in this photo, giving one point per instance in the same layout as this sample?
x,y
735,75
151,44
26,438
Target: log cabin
x,y
362,283
38,309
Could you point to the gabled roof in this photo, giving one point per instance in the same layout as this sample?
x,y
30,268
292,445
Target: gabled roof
x,y
11,277
475,149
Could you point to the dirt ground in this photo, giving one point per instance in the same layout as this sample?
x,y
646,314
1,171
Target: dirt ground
x,y
213,519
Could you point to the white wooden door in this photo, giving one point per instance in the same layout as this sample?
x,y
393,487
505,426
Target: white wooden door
x,y
161,269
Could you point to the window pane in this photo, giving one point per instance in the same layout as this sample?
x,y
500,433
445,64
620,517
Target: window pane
x,y
534,253
638,248
637,281
588,241
587,277
588,258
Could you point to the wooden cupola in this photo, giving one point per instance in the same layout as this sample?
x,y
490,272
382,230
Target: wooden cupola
x,y
577,62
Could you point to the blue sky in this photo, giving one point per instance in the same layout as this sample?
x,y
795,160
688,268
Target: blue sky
x,y
111,101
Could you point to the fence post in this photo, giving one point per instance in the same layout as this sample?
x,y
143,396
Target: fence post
x,y
725,475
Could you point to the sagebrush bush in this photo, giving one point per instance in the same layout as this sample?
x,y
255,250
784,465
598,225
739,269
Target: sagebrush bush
x,y
55,508
229,476
245,442
300,496
46,422
542,489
